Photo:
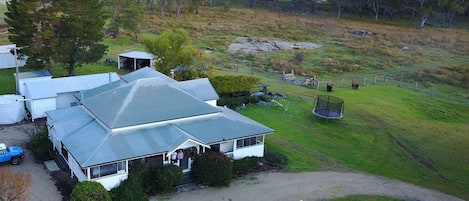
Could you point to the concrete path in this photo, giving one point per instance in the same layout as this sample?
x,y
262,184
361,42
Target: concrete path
x,y
311,186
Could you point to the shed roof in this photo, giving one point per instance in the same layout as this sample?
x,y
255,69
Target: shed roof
x,y
137,55
33,74
50,88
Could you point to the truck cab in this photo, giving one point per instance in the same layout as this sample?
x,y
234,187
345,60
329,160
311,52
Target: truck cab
x,y
12,154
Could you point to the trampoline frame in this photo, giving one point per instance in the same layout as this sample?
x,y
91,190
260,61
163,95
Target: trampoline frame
x,y
327,113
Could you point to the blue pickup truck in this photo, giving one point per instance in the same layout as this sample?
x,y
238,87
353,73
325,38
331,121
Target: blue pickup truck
x,y
12,154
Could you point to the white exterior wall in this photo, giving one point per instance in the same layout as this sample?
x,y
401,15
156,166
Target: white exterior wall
x,y
212,102
23,81
75,169
64,100
53,138
39,107
111,181
7,60
255,150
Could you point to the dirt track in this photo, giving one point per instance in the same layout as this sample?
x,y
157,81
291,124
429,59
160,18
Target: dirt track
x,y
312,186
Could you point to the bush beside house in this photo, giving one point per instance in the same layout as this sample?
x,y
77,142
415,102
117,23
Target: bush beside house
x,y
89,190
212,169
162,178
130,189
244,165
40,145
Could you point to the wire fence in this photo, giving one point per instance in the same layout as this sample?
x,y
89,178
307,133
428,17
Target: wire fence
x,y
432,90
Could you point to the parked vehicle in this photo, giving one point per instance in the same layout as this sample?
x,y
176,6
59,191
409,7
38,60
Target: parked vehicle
x,y
12,154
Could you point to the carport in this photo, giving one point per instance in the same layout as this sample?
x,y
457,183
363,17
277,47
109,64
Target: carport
x,y
135,60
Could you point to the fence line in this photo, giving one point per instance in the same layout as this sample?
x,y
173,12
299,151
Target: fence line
x,y
366,79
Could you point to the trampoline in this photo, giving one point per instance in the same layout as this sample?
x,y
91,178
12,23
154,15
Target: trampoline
x,y
328,107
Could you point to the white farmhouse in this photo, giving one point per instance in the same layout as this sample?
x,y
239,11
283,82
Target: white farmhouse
x,y
148,120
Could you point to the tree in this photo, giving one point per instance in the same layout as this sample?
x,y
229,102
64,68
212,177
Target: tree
x,y
375,6
14,186
78,31
448,9
89,190
173,49
125,14
30,29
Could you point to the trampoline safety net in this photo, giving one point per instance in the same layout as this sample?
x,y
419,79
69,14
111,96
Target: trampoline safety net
x,y
329,107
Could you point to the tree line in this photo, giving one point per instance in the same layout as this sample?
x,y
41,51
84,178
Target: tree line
x,y
442,12
70,33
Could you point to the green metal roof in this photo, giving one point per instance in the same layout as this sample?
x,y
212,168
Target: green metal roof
x,y
145,101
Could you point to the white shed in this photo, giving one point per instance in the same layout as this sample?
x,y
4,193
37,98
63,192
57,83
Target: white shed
x,y
7,59
135,60
30,76
46,95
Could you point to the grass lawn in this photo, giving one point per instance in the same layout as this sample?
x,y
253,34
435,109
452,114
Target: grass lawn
x,y
386,130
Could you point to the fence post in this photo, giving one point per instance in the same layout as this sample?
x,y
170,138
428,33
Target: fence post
x,y
364,81
385,77
342,83
432,92
416,85
376,77
400,82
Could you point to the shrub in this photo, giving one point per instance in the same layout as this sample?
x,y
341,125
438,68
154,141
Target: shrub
x,y
14,186
130,189
89,190
275,158
40,145
243,166
162,178
212,169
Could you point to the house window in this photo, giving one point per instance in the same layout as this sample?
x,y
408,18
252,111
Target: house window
x,y
109,169
215,147
249,141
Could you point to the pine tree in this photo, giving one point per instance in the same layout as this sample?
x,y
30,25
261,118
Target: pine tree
x,y
78,33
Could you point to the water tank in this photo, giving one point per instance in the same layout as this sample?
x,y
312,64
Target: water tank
x,y
11,110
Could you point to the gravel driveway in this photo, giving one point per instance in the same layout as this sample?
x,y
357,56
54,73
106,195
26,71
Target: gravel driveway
x,y
42,188
311,186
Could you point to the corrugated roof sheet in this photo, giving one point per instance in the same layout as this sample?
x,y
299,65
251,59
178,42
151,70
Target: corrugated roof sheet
x,y
95,91
50,88
92,144
137,55
146,72
227,125
201,88
32,74
145,101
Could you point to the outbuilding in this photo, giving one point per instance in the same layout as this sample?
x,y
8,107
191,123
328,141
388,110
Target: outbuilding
x,y
8,60
135,60
50,94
